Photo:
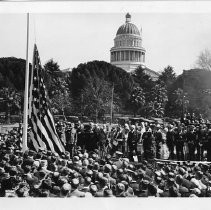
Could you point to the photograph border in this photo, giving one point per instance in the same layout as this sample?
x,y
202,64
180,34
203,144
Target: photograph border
x,y
112,7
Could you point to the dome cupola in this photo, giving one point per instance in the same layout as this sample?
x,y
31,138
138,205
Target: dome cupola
x,y
127,52
128,27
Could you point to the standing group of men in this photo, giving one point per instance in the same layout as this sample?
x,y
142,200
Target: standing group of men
x,y
189,139
104,138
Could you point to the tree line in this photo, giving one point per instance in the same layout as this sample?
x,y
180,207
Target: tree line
x,y
87,90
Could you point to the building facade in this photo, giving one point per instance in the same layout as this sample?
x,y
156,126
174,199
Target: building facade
x,y
128,52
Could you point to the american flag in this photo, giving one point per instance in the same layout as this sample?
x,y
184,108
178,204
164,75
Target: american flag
x,y
43,132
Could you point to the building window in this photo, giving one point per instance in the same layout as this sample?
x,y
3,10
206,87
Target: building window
x,y
127,56
131,55
118,56
123,57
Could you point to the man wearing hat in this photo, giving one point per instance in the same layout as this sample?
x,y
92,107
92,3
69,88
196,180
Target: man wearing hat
x,y
179,142
71,138
197,181
152,190
108,193
107,174
91,139
158,140
170,188
119,161
184,191
191,140
120,190
55,191
116,135
65,190
148,144
5,183
75,192
93,189
133,138
125,133
102,185
159,182
143,190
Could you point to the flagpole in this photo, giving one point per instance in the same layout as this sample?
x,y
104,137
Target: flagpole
x,y
26,94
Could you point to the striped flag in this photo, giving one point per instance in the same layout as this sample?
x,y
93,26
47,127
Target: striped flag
x,y
43,132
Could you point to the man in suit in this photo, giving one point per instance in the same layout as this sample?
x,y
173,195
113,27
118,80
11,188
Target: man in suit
x,y
158,140
179,142
148,144
191,140
132,142
117,134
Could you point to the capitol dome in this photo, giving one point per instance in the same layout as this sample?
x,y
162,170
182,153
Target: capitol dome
x,y
128,27
127,52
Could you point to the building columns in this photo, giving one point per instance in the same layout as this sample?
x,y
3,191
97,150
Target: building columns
x,y
128,55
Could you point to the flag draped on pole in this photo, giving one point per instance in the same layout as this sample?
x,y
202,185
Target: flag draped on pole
x,y
43,132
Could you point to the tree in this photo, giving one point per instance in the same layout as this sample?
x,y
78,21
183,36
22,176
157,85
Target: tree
x,y
177,104
61,103
102,71
58,90
12,73
52,67
167,79
11,101
142,79
96,96
53,78
156,100
137,100
167,76
204,60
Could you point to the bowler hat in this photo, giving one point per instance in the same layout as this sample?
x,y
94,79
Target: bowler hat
x,y
75,183
119,153
121,187
93,188
66,187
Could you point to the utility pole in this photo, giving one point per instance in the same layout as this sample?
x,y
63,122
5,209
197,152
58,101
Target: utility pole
x,y
183,94
112,101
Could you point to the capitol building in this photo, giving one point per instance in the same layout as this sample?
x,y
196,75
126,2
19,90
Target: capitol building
x,y
128,52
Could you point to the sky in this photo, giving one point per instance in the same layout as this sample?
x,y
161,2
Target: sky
x,y
174,39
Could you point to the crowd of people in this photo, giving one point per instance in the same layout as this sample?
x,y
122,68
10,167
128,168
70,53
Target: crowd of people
x,y
111,161
86,174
